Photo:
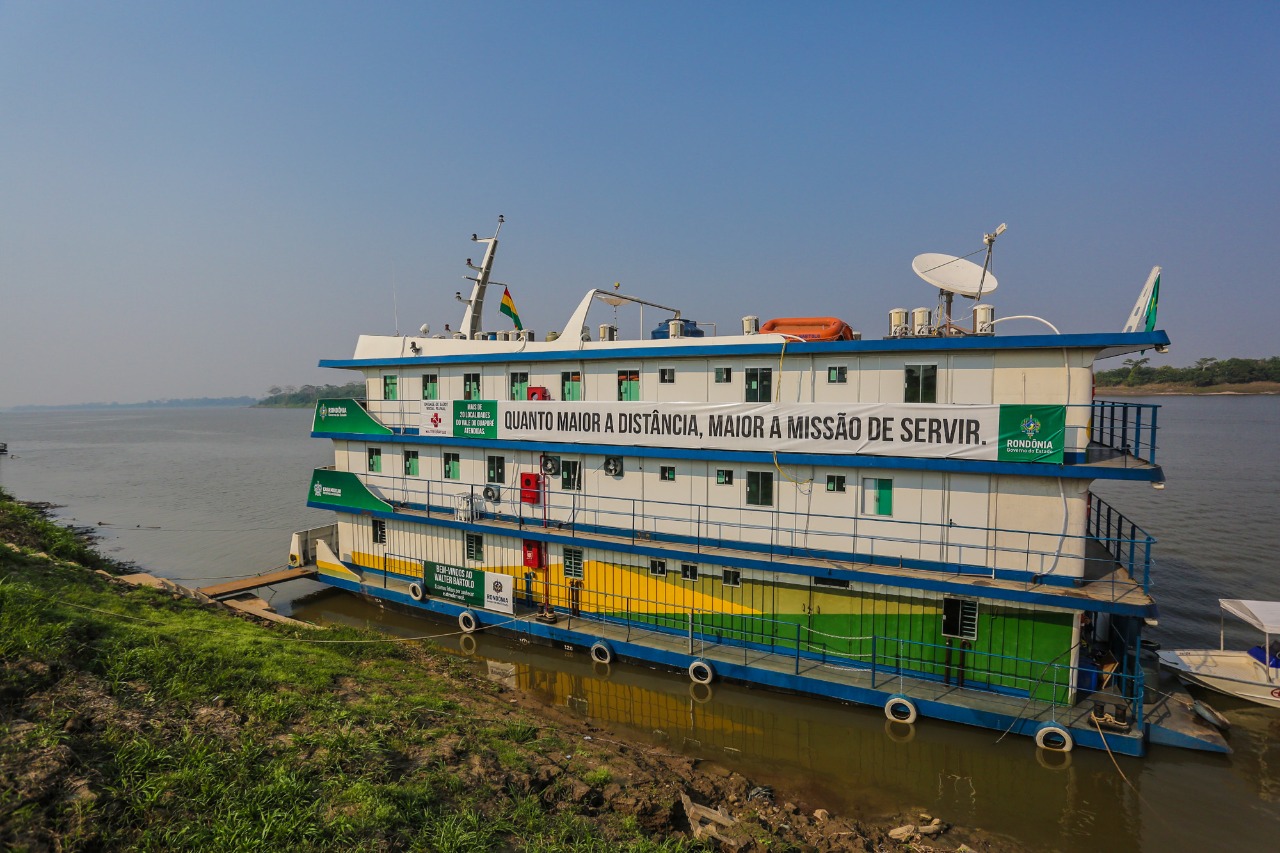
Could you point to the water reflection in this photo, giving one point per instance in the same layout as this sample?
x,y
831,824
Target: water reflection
x,y
836,756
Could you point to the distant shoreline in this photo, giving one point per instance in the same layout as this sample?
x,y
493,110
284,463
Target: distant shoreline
x,y
1158,389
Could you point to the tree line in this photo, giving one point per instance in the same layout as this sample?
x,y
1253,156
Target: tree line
x,y
307,395
1206,371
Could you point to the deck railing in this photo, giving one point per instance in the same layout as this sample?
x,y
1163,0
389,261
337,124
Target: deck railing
x,y
1125,541
776,533
881,657
1129,428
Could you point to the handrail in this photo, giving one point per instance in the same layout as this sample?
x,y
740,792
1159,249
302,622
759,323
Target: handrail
x,y
951,548
1049,681
1128,428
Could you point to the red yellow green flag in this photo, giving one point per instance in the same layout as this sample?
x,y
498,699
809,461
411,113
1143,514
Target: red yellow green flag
x,y
509,308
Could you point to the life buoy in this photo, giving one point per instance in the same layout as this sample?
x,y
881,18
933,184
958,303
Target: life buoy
x,y
602,652
1054,738
900,709
701,672
467,621
415,591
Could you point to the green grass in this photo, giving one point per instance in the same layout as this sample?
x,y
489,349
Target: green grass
x,y
202,731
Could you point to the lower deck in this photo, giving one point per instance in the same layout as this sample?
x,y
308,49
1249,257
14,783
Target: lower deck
x,y
871,682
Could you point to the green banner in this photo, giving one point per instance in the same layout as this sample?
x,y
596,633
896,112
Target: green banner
x,y
343,490
465,586
1032,433
345,416
475,418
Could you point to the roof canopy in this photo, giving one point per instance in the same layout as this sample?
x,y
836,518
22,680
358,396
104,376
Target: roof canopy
x,y
1263,615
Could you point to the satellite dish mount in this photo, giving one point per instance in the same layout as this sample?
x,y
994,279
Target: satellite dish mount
x,y
953,275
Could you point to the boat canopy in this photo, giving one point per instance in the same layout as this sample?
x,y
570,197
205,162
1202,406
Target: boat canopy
x,y
1263,615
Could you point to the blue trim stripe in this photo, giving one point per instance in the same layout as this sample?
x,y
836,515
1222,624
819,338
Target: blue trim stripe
x,y
1125,341
1074,471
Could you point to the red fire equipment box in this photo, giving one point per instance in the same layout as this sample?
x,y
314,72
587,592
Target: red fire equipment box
x,y
533,555
537,392
530,488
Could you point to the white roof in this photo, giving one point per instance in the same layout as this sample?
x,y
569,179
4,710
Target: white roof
x,y
1263,615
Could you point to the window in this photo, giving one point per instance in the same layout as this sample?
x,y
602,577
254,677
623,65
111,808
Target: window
x,y
833,583
389,387
835,482
628,385
471,386
379,532
920,384
475,547
724,374
837,374
688,571
452,466
667,473
724,477
759,385
877,496
573,563
571,385
375,460
411,463
960,618
519,386
658,568
666,375
732,577
571,475
430,386
496,471
760,488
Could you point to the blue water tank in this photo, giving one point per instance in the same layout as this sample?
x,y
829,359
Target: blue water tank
x,y
663,331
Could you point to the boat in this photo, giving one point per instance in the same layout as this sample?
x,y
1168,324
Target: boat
x,y
902,521
1253,675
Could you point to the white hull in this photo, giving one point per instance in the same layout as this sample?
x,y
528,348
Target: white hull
x,y
1233,673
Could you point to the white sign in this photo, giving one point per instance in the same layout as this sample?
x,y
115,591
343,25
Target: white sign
x,y
924,429
499,592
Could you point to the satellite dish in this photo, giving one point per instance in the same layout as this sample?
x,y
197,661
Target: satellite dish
x,y
954,275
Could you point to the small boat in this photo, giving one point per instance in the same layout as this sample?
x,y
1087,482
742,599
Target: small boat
x,y
1253,675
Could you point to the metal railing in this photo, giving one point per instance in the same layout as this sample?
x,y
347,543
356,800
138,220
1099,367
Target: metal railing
x,y
1129,428
780,534
881,658
1125,541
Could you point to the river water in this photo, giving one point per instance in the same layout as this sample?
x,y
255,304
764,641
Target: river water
x,y
199,495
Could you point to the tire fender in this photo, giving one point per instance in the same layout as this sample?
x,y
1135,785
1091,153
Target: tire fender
x,y
1054,738
467,621
900,709
701,672
602,652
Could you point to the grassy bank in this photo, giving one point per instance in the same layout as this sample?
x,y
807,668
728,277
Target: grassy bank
x,y
134,719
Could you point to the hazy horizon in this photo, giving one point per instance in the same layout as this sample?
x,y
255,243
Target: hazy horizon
x,y
207,199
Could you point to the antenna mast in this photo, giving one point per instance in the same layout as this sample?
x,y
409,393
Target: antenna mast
x,y
475,305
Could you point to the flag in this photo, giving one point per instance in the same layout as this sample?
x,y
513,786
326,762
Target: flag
x,y
509,308
1143,316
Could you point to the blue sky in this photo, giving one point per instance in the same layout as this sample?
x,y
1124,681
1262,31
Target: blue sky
x,y
207,198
